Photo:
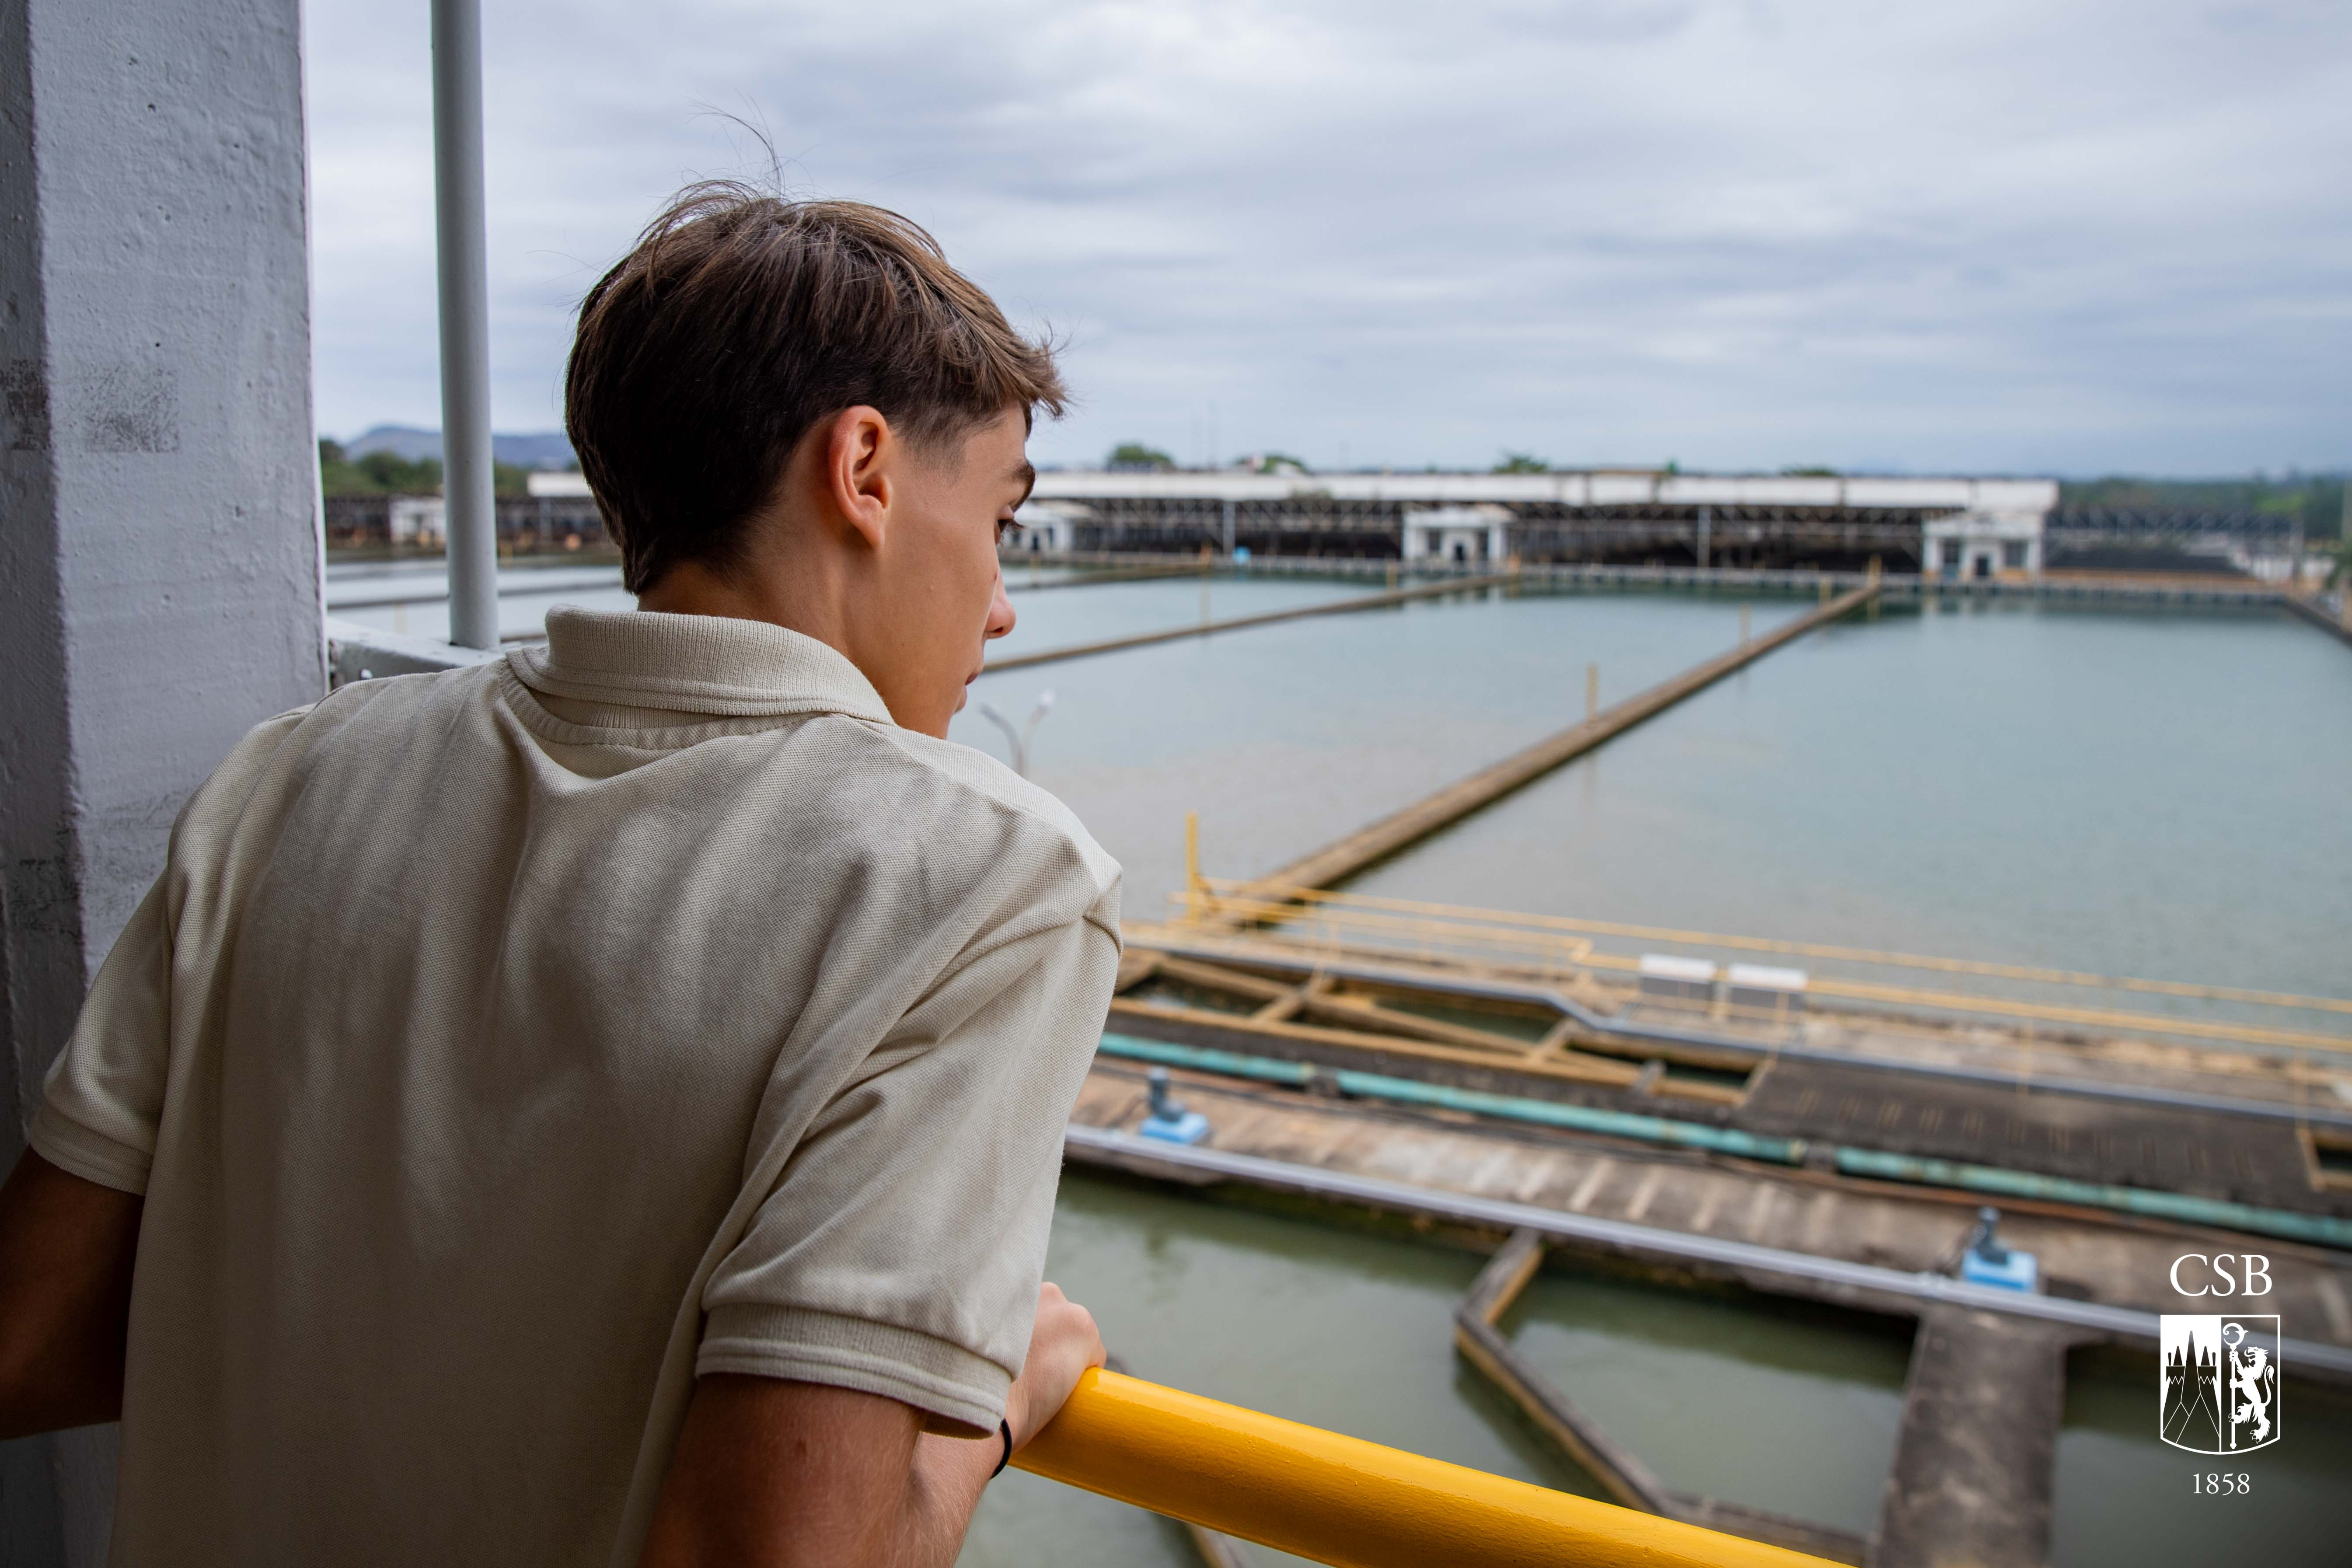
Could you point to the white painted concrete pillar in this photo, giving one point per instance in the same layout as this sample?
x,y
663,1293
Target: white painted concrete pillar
x,y
159,561
471,530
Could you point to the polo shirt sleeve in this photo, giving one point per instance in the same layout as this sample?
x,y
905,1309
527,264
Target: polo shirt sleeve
x,y
102,1104
104,1098
900,1251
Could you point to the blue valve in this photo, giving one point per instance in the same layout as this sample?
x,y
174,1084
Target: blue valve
x,y
1169,1120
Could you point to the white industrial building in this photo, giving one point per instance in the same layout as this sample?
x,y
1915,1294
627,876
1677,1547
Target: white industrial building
x,y
1948,526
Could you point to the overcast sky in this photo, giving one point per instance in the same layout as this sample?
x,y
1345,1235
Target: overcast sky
x,y
2015,235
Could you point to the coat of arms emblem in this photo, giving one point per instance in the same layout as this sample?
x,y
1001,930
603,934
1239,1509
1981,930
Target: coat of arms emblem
x,y
2219,1382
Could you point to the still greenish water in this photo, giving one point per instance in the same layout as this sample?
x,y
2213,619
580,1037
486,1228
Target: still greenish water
x,y
2125,1498
1353,1332
1285,736
1067,616
1748,1399
2145,795
2155,795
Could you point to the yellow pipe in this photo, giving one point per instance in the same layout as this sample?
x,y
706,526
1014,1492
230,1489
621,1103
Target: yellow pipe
x,y
1345,1501
2102,1018
1465,915
2097,1018
1557,953
1192,883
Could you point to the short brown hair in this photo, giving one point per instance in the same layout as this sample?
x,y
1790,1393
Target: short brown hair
x,y
742,318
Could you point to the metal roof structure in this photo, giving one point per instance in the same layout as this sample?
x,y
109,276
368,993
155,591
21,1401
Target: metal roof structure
x,y
1596,488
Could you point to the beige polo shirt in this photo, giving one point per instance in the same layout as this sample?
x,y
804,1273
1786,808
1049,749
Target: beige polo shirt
x,y
500,1049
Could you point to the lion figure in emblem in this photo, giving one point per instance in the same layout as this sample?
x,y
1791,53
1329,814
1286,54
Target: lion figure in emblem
x,y
2247,1365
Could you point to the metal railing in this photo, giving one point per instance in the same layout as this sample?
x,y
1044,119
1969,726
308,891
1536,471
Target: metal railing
x,y
1561,949
1345,1501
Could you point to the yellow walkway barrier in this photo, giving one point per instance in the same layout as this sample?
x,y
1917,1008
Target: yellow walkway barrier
x,y
1345,1501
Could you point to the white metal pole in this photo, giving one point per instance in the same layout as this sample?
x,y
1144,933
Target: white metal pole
x,y
470,523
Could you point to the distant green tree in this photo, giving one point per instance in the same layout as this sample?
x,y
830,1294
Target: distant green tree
x,y
1809,473
1522,463
338,475
389,474
1136,455
395,475
376,474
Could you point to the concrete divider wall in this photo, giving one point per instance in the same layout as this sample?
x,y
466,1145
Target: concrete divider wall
x,y
160,582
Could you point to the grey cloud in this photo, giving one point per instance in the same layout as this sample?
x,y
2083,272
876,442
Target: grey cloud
x,y
2008,236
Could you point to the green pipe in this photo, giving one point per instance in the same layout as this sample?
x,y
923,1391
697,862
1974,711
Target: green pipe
x,y
1233,1065
1509,1106
1582,1118
2325,1230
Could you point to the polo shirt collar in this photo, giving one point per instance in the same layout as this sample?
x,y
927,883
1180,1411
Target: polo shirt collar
x,y
693,664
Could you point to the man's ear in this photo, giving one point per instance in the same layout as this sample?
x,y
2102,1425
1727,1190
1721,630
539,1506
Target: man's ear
x,y
862,455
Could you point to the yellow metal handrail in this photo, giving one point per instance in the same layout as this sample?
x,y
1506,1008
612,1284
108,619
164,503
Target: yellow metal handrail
x,y
1345,1501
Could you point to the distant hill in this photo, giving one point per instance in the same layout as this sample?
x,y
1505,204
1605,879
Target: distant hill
x,y
530,450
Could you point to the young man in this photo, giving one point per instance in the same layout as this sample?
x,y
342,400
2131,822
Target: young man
x,y
604,1106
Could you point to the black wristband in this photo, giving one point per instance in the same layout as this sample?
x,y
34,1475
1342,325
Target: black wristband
x,y
1005,1429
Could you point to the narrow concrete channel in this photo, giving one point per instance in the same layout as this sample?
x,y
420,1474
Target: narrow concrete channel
x,y
1242,623
1335,862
